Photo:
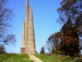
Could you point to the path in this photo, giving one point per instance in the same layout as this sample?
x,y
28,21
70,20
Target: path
x,y
35,59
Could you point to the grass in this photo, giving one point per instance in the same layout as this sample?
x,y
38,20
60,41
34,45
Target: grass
x,y
14,58
54,58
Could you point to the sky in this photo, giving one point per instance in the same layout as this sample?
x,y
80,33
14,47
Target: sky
x,y
45,17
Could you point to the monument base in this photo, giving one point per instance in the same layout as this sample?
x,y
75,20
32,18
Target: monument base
x,y
22,50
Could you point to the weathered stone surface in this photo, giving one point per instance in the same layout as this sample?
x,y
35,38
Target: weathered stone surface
x,y
22,50
28,40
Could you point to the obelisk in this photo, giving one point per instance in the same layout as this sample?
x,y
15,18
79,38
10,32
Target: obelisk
x,y
28,38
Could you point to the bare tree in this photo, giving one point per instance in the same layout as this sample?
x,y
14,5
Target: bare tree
x,y
5,16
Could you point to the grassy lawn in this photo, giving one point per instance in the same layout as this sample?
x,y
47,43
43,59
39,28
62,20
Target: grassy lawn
x,y
14,58
54,58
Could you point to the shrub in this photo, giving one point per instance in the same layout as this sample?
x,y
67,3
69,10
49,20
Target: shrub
x,y
2,49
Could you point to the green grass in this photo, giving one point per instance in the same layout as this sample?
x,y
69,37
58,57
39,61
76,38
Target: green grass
x,y
54,58
14,58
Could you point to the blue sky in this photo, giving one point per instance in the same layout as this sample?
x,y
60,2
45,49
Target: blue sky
x,y
44,15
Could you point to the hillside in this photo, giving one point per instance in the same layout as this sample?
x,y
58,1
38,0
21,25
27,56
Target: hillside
x,y
14,58
58,58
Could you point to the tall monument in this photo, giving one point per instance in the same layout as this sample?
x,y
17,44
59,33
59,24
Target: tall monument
x,y
28,39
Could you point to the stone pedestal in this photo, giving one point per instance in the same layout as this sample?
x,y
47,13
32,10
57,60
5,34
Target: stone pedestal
x,y
22,50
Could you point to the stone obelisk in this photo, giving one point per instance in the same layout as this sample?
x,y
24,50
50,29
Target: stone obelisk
x,y
28,38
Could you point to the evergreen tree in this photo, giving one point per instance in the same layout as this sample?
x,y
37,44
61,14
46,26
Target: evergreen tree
x,y
42,51
69,41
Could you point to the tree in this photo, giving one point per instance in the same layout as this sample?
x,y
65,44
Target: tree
x,y
72,32
71,9
5,16
42,51
53,42
69,41
55,39
2,49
